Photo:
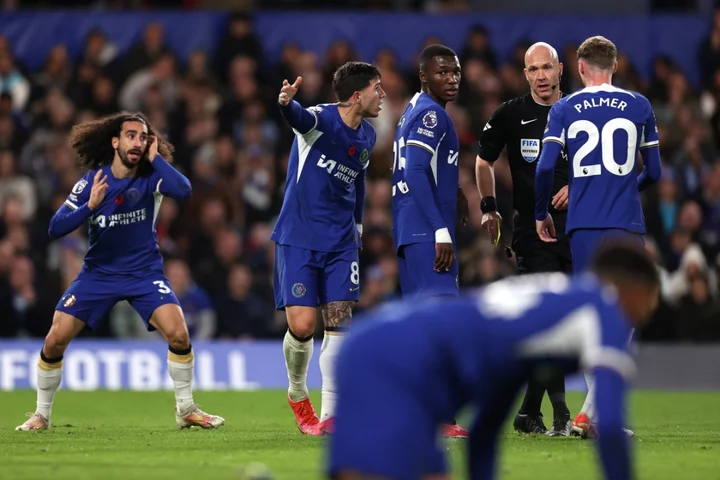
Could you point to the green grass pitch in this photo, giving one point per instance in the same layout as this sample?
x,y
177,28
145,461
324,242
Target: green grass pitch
x,y
132,435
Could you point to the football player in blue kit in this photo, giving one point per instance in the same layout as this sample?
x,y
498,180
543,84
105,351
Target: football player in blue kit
x,y
425,189
119,197
425,360
603,128
425,180
318,232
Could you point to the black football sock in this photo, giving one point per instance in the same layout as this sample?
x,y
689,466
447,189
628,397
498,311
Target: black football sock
x,y
533,398
556,392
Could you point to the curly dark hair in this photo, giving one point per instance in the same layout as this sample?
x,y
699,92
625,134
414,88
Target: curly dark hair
x,y
92,141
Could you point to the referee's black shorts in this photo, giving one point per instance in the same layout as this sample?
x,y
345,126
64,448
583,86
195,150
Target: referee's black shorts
x,y
535,256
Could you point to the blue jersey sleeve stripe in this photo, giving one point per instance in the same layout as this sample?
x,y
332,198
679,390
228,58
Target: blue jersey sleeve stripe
x,y
553,139
613,359
157,188
71,204
654,143
418,143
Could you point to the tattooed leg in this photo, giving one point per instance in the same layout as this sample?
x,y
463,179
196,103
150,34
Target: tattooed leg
x,y
337,316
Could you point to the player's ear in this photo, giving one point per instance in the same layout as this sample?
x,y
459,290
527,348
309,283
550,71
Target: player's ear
x,y
115,142
560,68
615,67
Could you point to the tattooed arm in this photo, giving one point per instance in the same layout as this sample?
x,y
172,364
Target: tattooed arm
x,y
337,315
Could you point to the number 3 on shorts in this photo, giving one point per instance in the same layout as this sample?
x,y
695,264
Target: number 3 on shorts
x,y
162,288
355,273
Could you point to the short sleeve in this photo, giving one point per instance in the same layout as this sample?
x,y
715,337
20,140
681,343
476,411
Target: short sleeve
x,y
80,193
427,130
494,136
555,130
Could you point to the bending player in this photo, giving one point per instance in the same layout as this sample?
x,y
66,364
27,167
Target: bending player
x,y
120,197
426,360
318,232
602,127
425,189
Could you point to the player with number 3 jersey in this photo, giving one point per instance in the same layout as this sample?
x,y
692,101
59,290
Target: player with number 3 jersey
x,y
603,127
120,199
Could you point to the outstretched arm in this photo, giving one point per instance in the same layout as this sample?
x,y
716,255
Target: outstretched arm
x,y
301,120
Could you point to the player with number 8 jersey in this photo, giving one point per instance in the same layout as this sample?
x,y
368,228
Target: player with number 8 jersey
x,y
603,127
318,232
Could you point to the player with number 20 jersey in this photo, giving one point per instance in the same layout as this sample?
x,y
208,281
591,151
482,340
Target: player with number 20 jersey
x,y
603,128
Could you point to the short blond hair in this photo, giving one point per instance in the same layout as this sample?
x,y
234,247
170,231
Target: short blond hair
x,y
599,52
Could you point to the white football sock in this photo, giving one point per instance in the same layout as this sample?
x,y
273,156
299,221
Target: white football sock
x,y
588,407
297,358
181,368
48,378
328,356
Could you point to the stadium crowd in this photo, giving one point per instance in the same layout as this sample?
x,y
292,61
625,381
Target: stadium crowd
x,y
219,111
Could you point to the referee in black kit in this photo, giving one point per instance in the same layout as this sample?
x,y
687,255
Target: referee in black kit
x,y
519,124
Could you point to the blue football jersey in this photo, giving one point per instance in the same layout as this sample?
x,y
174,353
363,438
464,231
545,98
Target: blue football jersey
x,y
439,355
326,162
424,125
491,333
603,128
122,235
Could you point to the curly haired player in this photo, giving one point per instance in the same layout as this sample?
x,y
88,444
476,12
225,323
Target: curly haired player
x,y
120,198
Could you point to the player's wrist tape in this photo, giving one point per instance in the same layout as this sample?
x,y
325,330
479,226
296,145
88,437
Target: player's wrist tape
x,y
359,228
488,204
443,236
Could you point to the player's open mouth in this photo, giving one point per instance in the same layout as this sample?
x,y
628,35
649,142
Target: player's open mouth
x,y
134,155
451,91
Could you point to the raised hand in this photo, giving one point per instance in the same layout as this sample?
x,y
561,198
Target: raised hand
x,y
152,147
287,92
97,193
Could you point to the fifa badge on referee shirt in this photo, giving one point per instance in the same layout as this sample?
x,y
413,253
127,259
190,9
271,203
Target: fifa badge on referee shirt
x,y
530,149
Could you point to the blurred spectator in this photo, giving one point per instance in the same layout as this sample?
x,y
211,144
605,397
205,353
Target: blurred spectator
x,y
220,113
